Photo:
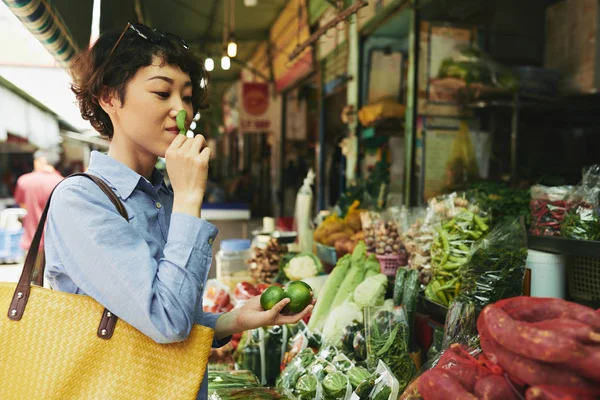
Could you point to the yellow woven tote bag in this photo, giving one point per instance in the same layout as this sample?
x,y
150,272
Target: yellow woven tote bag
x,y
56,345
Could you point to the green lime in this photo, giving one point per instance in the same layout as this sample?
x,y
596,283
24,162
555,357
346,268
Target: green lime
x,y
300,295
306,285
271,296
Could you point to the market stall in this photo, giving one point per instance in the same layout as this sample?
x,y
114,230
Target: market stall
x,y
424,302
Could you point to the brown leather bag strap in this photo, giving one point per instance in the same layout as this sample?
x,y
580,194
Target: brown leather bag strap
x,y
21,295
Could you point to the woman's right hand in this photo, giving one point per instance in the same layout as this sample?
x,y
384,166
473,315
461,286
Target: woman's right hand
x,y
187,165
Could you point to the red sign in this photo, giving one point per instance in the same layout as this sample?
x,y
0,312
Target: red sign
x,y
255,97
260,108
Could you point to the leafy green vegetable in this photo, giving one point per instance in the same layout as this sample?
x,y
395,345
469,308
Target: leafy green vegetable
x,y
503,202
387,340
328,293
247,394
371,292
582,223
354,277
496,267
232,379
357,375
335,385
307,386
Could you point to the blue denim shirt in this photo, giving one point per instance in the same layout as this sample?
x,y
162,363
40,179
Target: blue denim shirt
x,y
150,271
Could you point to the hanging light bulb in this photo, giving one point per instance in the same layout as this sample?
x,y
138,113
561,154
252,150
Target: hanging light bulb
x,y
225,63
209,64
232,47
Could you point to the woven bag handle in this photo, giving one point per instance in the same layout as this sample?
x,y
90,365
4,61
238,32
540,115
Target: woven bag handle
x,y
21,295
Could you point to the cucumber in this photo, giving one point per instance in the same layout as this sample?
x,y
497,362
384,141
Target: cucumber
x,y
409,301
364,389
399,285
383,394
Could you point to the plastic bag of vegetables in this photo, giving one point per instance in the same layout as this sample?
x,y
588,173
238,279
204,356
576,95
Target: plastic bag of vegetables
x,y
382,385
496,266
309,387
336,386
388,341
250,394
261,351
231,379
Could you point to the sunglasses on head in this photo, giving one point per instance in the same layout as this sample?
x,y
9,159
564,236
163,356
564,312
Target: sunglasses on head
x,y
151,34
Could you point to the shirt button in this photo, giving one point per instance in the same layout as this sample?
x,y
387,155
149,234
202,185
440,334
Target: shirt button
x,y
158,205
210,241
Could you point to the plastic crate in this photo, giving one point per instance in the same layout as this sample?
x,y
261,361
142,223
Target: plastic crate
x,y
10,250
389,264
583,277
326,254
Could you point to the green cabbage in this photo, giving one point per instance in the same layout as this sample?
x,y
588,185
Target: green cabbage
x,y
371,292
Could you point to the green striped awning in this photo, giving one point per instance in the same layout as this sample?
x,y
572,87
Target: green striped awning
x,y
47,26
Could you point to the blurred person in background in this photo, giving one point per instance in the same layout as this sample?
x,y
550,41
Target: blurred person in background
x,y
34,189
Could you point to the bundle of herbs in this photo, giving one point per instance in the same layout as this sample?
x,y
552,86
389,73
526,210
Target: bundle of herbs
x,y
496,266
582,221
503,202
388,340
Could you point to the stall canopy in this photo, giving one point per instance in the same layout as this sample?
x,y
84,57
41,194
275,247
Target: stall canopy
x,y
44,21
200,23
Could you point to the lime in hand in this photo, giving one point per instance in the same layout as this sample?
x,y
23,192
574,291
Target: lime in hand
x,y
271,296
299,293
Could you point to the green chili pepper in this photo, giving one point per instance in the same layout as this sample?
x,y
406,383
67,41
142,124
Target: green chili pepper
x,y
181,116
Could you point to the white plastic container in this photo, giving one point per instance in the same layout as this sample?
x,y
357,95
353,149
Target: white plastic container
x,y
548,274
232,266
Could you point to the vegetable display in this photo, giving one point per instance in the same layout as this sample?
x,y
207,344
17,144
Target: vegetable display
x,y
449,252
328,293
496,267
341,233
301,266
388,341
548,207
383,237
264,266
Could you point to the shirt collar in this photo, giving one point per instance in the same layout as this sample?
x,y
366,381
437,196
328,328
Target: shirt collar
x,y
121,177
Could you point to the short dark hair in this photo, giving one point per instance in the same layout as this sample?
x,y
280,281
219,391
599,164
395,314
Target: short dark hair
x,y
93,75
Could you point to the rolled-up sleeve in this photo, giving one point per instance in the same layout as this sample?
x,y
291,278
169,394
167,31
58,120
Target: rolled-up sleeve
x,y
105,258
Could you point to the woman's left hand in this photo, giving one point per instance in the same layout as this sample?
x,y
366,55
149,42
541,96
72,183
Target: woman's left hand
x,y
251,316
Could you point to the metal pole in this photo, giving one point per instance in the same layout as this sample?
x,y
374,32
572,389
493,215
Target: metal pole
x,y
513,140
281,196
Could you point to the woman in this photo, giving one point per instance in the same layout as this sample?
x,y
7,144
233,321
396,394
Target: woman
x,y
150,270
